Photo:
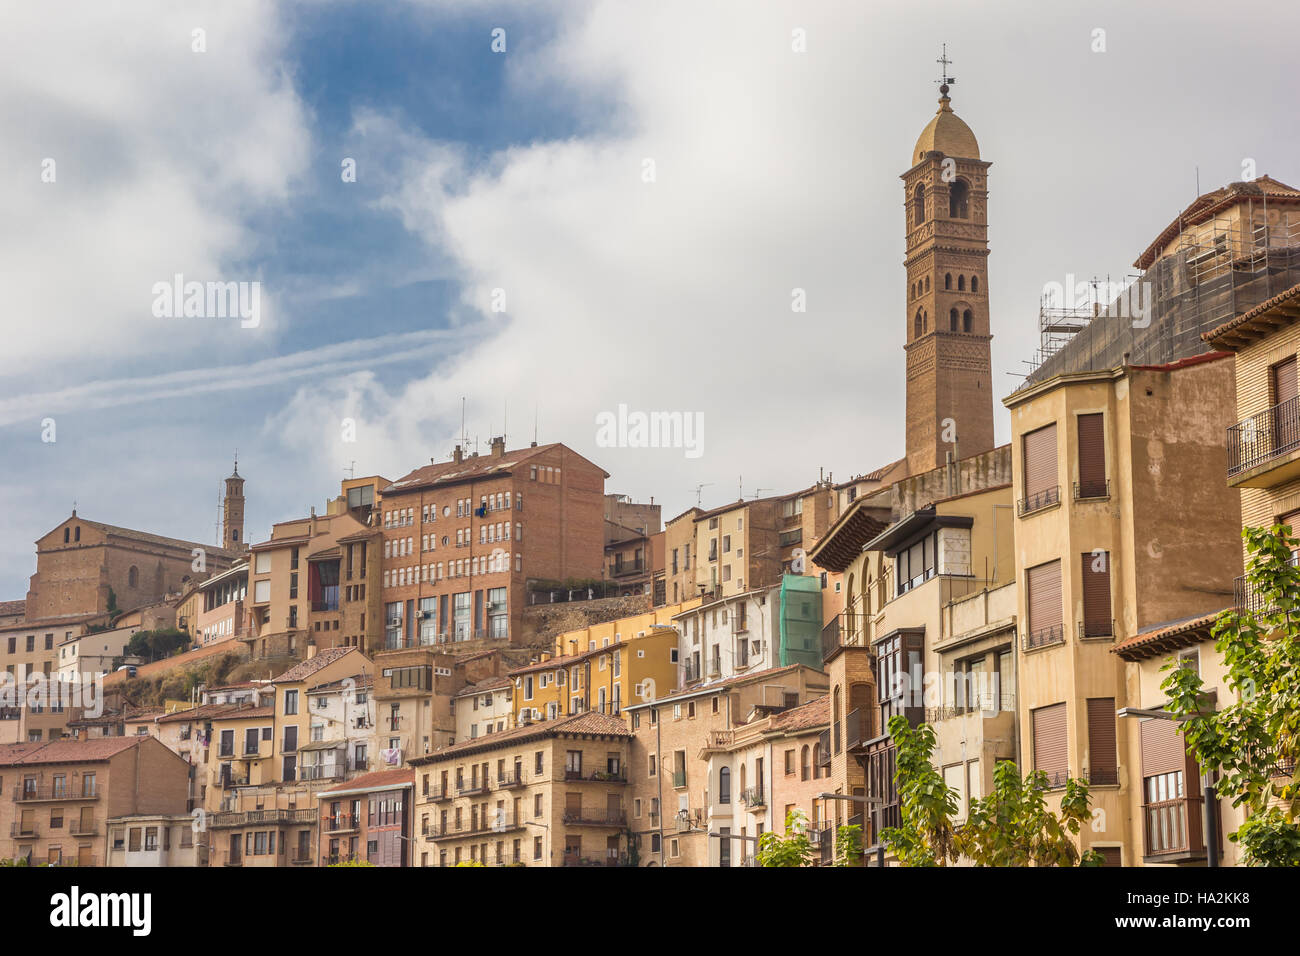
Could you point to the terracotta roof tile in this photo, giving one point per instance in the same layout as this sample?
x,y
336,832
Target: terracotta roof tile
x,y
472,467
588,722
322,659
708,688
1163,637
10,608
376,780
67,751
815,713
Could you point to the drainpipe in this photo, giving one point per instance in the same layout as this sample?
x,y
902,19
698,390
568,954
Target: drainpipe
x,y
659,775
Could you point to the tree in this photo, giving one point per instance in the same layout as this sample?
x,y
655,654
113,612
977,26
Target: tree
x,y
155,645
469,863
1253,743
793,849
1012,826
848,845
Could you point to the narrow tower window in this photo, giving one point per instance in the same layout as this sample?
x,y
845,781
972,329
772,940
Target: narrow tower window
x,y
959,200
918,205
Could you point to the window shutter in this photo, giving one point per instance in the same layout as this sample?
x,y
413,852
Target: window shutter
x,y
1110,855
1050,746
1040,461
1103,760
1092,456
1044,597
1284,381
1162,747
1096,595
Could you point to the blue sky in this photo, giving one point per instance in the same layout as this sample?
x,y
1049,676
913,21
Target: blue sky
x,y
522,171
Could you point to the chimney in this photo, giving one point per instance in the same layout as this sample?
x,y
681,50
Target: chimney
x,y
499,446
458,455
311,649
311,524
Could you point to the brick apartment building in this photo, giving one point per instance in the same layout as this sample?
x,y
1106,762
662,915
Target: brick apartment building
x,y
59,800
368,819
463,538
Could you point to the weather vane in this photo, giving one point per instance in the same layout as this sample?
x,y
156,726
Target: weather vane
x,y
945,80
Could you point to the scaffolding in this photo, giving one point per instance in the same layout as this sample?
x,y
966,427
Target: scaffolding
x,y
1217,270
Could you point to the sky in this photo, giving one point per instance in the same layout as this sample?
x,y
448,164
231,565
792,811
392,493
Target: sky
x,y
558,209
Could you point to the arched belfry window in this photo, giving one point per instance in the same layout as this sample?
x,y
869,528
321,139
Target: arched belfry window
x,y
974,283
916,327
961,283
947,280
918,205
952,321
959,200
927,283
967,320
133,577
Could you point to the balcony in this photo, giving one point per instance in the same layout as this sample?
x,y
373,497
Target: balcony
x,y
228,781
687,821
824,748
679,779
577,859
690,672
753,797
857,727
321,772
1173,831
341,823
79,829
510,779
1039,501
236,818
471,788
1044,637
1264,450
595,818
23,830
596,776
628,567
1103,777
37,794
439,794
880,767
1094,490
718,740
1092,630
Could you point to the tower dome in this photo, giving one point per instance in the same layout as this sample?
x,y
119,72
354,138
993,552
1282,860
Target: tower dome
x,y
946,133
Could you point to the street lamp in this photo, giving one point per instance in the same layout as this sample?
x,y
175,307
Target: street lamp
x,y
866,801
1209,798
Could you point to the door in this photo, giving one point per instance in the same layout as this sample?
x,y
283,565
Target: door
x,y
1286,427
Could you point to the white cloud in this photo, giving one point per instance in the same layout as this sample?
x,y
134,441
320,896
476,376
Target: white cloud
x,y
160,152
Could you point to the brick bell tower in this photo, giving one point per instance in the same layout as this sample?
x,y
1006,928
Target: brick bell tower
x,y
949,370
232,513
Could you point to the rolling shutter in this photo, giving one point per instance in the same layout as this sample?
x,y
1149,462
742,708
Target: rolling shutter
x,y
1103,760
1284,381
1092,456
1096,594
1051,754
1162,748
1040,462
1044,597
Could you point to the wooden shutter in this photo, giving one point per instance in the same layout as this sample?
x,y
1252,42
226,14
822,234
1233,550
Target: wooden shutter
x,y
1284,381
1096,594
1103,760
1162,747
1092,456
1040,461
1044,596
1051,753
1110,855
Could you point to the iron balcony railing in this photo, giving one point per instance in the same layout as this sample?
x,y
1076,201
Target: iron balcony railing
x,y
824,748
753,797
1105,777
1096,628
1093,489
466,788
857,727
510,778
595,818
1039,500
341,822
87,791
1173,826
1044,637
679,779
1261,438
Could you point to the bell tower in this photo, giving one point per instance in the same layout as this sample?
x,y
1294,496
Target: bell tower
x,y
232,513
949,369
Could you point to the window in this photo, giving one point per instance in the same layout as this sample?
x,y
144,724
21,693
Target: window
x,y
918,205
1038,458
1103,760
915,565
1092,456
724,785
1043,599
958,199
1051,754
1096,594
290,702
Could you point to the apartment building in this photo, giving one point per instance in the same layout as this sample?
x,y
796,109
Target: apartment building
x,y
634,546
462,540
316,582
155,839
61,798
484,708
685,767
911,641
216,610
543,794
1103,554
368,819
751,631
342,722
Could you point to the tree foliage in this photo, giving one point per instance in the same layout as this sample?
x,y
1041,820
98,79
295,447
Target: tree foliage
x,y
1012,826
792,849
1252,743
